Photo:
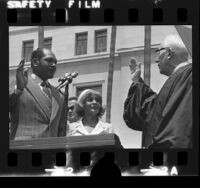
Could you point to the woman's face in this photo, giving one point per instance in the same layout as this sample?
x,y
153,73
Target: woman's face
x,y
92,104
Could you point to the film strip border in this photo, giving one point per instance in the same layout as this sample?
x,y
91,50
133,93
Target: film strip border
x,y
109,12
37,162
37,16
60,158
181,12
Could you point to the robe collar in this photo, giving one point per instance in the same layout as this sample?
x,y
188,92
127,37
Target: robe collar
x,y
179,66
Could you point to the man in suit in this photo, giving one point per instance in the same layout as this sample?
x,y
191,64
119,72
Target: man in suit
x,y
36,107
72,116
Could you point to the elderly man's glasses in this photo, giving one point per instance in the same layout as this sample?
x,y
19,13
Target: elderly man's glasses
x,y
158,50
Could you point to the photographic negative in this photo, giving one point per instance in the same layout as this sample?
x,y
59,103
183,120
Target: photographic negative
x,y
130,79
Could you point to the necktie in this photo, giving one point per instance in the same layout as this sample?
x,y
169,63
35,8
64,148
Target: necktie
x,y
46,89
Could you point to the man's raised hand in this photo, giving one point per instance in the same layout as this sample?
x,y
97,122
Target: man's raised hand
x,y
21,75
135,68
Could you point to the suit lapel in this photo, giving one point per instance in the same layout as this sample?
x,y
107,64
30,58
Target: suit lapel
x,y
39,97
56,103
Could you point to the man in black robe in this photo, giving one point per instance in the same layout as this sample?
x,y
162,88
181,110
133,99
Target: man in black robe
x,y
164,118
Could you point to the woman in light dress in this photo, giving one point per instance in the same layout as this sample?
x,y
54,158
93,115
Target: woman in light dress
x,y
89,108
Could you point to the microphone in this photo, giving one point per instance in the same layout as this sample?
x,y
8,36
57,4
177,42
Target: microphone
x,y
67,79
68,76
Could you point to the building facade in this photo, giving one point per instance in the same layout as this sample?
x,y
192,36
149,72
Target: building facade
x,y
86,49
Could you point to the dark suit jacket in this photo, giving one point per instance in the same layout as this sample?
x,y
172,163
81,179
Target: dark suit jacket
x,y
33,115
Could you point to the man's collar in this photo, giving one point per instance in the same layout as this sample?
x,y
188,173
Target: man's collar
x,y
179,66
38,79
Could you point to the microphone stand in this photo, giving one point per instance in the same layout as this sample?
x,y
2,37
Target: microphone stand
x,y
65,105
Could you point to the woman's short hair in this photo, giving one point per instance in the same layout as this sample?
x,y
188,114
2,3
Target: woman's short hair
x,y
79,109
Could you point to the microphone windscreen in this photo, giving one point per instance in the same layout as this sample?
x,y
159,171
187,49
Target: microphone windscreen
x,y
74,74
67,74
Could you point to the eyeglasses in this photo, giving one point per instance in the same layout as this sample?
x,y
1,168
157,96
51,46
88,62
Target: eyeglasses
x,y
158,50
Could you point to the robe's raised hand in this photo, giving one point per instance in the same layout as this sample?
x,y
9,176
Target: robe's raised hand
x,y
135,68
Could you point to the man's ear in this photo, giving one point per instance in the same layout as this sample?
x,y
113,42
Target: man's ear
x,y
170,54
35,62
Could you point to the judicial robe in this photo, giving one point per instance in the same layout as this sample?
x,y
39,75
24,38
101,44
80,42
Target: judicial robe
x,y
164,118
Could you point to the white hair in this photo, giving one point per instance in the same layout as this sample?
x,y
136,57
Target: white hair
x,y
173,40
176,44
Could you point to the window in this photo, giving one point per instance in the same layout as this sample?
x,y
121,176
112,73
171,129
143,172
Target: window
x,y
100,41
27,50
79,89
81,43
48,43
